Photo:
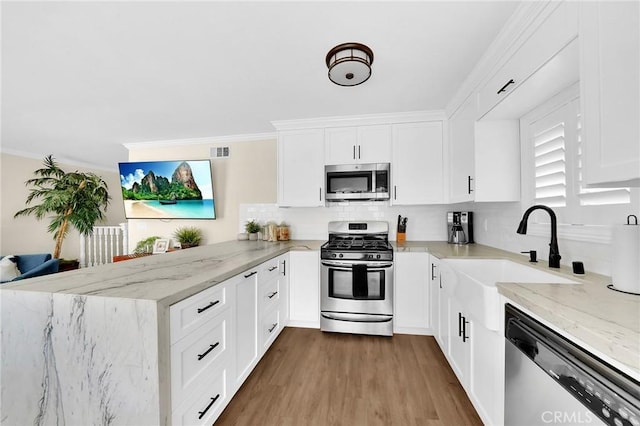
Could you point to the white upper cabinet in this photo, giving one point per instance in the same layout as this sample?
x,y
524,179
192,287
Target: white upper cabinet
x,y
461,152
362,144
610,91
554,29
301,168
484,157
418,163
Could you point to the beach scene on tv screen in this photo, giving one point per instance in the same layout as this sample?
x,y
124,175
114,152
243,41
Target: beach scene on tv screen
x,y
167,189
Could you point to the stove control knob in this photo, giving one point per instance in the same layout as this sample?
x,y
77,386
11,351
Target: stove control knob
x,y
340,255
378,256
333,255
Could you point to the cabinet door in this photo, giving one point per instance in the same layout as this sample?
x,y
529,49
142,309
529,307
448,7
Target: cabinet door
x,y
459,347
443,321
417,163
486,372
301,168
374,144
246,324
283,271
609,91
304,289
434,289
411,293
461,152
341,145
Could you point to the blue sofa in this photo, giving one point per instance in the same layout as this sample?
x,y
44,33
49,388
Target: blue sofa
x,y
34,265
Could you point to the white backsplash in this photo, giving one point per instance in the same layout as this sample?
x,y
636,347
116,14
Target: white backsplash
x,y
426,223
495,225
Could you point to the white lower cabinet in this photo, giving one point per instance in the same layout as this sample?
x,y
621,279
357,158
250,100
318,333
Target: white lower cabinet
x,y
475,353
218,336
411,293
434,297
304,289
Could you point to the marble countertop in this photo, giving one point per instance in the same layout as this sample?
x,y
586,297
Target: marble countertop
x,y
605,320
165,278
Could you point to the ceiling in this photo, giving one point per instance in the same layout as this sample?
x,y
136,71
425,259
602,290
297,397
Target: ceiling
x,y
79,79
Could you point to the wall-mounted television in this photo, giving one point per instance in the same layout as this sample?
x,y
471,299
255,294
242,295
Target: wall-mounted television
x,y
167,189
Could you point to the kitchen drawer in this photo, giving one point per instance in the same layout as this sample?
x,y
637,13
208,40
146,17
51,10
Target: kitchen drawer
x,y
189,314
270,327
552,35
203,406
269,295
195,357
270,269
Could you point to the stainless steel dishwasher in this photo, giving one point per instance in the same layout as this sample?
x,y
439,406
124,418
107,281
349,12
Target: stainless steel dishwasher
x,y
550,380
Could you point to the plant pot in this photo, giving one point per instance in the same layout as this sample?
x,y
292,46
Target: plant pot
x,y
68,265
253,236
186,246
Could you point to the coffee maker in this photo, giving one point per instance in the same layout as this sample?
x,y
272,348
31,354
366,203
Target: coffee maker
x,y
460,227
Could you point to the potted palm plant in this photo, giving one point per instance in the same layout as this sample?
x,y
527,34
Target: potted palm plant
x,y
69,199
188,236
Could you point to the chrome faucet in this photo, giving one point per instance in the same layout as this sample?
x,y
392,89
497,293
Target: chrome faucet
x,y
554,253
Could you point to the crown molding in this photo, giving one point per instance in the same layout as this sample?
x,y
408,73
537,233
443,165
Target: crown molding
x,y
59,160
249,137
359,120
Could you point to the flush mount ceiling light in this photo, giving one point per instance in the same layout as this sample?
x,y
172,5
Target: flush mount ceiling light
x,y
349,64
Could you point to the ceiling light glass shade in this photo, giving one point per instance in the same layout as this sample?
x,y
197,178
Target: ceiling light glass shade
x,y
349,64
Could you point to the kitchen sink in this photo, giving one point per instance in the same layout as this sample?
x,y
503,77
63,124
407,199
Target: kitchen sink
x,y
473,283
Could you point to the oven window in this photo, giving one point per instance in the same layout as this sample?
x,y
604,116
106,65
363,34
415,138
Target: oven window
x,y
349,182
356,285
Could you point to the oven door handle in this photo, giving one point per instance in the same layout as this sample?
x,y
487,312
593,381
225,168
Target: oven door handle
x,y
343,266
356,317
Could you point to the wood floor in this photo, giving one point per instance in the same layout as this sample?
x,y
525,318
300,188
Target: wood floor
x,y
313,378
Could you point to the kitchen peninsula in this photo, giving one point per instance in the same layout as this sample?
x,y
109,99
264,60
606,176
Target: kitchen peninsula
x,y
93,346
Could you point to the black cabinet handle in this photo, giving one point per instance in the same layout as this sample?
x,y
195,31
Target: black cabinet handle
x,y
464,329
205,353
320,192
358,152
273,327
505,86
201,310
272,268
460,324
284,267
433,273
469,190
251,274
272,294
354,152
213,400
395,192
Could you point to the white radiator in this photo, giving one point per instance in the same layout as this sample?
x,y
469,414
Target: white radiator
x,y
102,244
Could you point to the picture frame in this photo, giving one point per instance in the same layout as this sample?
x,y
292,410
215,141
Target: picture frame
x,y
161,245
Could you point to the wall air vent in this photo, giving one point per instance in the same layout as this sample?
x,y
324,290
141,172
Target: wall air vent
x,y
220,152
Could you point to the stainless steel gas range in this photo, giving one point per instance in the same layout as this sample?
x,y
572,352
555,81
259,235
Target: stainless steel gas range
x,y
356,283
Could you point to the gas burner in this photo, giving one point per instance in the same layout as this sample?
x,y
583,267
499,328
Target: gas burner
x,y
358,241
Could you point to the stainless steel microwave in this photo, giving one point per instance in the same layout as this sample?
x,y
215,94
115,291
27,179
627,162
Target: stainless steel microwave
x,y
357,182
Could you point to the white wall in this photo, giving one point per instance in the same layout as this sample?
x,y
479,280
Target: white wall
x,y
26,234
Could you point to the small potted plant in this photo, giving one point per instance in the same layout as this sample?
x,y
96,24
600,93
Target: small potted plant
x,y
188,236
145,246
252,227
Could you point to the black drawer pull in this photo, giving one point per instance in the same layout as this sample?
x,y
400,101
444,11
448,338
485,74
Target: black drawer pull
x,y
469,190
433,273
272,294
211,347
250,274
213,401
460,319
273,327
201,310
272,268
505,86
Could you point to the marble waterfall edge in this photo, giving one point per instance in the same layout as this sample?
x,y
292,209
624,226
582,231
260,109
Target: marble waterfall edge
x,y
70,359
